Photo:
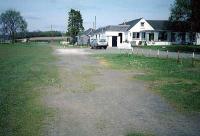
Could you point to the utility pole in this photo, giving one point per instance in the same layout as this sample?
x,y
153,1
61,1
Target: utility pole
x,y
51,34
95,23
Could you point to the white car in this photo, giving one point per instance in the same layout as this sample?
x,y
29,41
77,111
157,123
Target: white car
x,y
101,44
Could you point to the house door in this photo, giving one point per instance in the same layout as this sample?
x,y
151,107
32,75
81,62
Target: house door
x,y
151,37
120,35
114,41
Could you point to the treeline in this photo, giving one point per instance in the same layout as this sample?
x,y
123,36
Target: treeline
x,y
39,34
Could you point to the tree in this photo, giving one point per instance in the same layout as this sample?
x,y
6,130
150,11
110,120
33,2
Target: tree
x,y
12,23
195,15
185,15
180,17
75,23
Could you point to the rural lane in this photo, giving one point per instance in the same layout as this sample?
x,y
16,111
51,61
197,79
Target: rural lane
x,y
94,100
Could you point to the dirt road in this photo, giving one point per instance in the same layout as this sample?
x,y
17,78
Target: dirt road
x,y
94,100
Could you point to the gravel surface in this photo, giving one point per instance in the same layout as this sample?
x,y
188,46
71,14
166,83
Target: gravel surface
x,y
94,100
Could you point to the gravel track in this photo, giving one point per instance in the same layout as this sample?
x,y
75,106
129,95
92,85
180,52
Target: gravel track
x,y
94,100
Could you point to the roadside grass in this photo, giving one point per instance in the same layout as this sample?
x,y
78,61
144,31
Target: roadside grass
x,y
175,48
178,83
25,70
138,134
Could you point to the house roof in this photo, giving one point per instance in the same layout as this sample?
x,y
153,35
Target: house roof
x,y
122,28
88,32
156,24
159,24
131,23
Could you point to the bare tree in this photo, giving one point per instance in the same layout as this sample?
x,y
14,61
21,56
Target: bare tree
x,y
11,23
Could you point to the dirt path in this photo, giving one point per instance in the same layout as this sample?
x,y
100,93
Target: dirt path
x,y
96,101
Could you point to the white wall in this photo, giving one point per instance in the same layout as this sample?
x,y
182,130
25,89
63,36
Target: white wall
x,y
198,38
139,28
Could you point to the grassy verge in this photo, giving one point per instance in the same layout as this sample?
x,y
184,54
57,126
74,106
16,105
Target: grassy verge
x,y
179,83
175,48
139,134
25,69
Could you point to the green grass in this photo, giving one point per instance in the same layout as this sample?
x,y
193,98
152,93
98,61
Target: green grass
x,y
25,70
138,134
178,83
175,48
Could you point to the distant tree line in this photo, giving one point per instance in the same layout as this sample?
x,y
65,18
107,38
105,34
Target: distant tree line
x,y
40,34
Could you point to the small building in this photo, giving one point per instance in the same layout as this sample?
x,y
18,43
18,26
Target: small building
x,y
143,32
114,34
84,38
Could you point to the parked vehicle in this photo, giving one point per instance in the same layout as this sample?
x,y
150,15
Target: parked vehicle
x,y
99,44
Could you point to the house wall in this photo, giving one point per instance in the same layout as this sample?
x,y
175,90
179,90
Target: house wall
x,y
198,39
139,28
108,36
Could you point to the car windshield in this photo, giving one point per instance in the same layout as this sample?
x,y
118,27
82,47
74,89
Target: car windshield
x,y
102,40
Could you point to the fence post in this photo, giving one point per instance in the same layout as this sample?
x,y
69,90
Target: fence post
x,y
149,52
178,57
158,53
193,59
167,54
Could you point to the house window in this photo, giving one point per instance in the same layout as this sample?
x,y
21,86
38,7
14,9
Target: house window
x,y
143,35
173,37
136,35
162,36
142,24
151,36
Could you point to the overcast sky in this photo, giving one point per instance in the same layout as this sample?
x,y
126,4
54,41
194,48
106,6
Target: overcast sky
x,y
40,14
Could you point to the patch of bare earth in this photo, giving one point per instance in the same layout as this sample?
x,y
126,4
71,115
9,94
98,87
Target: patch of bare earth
x,y
93,100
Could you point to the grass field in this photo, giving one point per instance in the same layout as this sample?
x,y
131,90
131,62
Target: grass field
x,y
175,48
178,83
138,134
25,70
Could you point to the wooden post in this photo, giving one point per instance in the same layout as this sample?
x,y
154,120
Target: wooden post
x,y
142,52
158,53
149,52
132,50
193,59
167,54
178,57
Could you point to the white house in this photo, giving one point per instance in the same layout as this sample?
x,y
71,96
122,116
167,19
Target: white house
x,y
143,32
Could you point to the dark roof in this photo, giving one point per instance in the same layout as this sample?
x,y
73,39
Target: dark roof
x,y
122,28
159,24
131,23
88,32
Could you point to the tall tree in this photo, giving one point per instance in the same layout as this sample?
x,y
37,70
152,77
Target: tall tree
x,y
195,15
181,12
185,15
75,23
12,23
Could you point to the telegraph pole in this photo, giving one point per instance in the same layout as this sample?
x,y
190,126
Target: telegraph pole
x,y
95,22
51,34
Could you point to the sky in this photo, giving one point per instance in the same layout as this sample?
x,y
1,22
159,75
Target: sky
x,y
41,14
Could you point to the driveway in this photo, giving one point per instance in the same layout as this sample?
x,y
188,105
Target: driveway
x,y
94,100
